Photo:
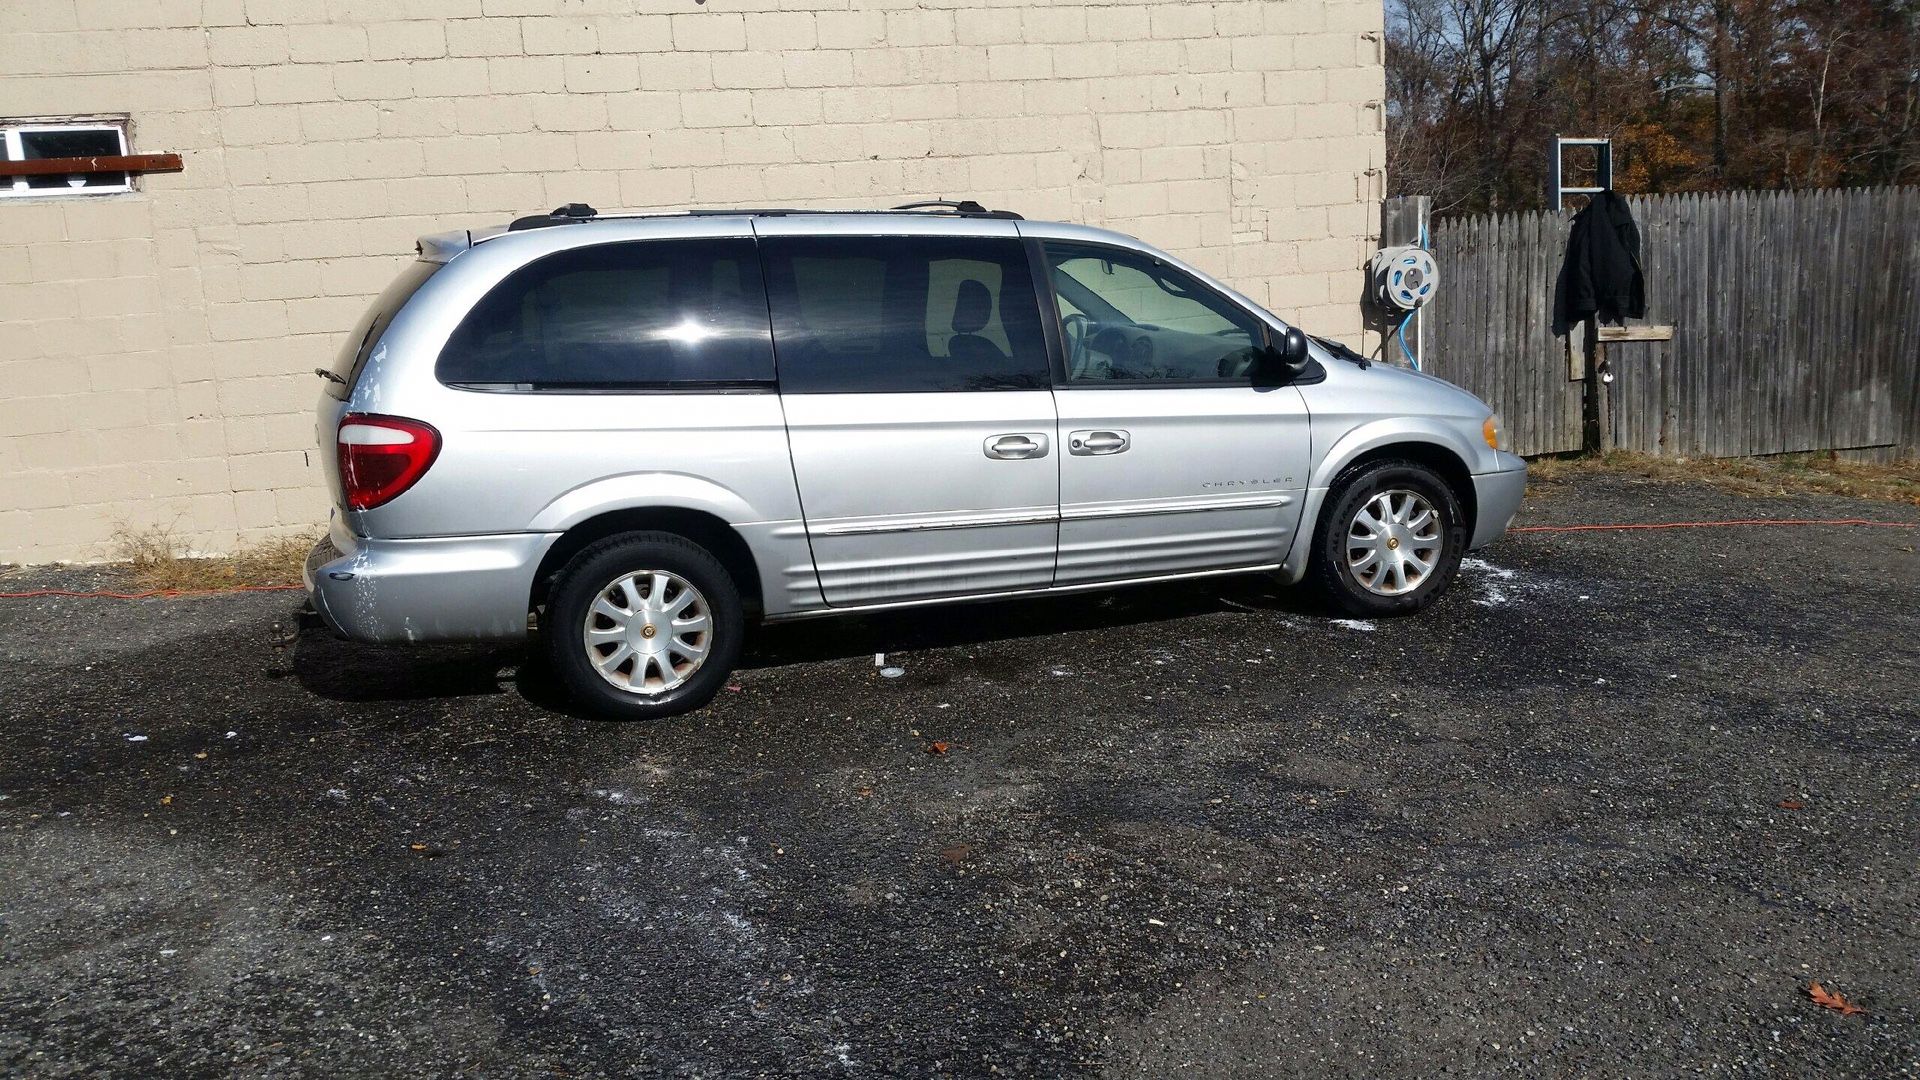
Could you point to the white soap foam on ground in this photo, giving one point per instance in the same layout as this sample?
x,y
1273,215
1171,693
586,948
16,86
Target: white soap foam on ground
x,y
1499,586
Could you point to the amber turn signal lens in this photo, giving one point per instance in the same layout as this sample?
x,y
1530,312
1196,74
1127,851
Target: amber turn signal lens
x,y
1491,432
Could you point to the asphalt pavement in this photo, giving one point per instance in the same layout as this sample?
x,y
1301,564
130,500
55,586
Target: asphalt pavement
x,y
1608,809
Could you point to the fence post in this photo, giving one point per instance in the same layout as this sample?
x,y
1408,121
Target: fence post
x,y
1596,412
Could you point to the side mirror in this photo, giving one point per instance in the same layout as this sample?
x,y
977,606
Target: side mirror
x,y
1288,356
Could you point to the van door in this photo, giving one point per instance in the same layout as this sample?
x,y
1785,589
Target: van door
x,y
913,372
1172,458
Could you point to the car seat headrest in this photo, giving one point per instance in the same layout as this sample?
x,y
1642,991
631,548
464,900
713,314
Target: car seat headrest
x,y
972,307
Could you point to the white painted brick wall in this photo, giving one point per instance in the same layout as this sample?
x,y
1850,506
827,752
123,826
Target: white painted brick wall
x,y
155,348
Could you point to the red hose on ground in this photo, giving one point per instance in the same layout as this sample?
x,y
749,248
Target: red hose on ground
x,y
151,594
1716,524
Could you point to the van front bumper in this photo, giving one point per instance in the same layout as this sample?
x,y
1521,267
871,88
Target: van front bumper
x,y
1496,497
462,588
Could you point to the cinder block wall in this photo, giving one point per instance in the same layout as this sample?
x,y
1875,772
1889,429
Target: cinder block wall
x,y
156,348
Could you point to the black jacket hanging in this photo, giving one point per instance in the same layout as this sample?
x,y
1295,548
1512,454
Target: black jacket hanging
x,y
1601,277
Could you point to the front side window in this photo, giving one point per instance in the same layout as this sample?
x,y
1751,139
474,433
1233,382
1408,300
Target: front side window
x,y
1128,317
854,315
27,140
638,315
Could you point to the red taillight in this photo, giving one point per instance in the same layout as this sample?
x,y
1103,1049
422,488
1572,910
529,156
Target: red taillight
x,y
382,456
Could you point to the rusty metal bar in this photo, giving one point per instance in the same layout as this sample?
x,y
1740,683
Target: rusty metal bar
x,y
71,166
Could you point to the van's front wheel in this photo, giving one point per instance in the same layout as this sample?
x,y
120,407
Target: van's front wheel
x,y
1390,539
643,625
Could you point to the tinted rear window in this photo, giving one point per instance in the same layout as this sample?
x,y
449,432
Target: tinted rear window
x,y
646,314
903,314
352,358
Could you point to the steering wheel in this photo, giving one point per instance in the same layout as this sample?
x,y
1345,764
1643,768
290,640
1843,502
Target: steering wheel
x,y
1075,328
1140,351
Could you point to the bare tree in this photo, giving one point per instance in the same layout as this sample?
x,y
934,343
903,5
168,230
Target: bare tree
x,y
1696,94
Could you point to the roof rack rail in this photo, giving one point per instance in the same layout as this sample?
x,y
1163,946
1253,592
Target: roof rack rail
x,y
963,207
570,214
576,213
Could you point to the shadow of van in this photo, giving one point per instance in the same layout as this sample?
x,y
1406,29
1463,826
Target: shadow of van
x,y
342,670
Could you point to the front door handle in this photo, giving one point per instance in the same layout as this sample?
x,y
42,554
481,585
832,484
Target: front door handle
x,y
1098,443
1016,447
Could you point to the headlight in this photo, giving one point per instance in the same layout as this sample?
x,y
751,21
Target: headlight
x,y
1492,432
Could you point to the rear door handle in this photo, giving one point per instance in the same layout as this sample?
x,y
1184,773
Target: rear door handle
x,y
1098,443
1016,447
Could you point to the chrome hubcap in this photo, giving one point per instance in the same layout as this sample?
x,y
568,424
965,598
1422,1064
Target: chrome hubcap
x,y
1394,542
648,632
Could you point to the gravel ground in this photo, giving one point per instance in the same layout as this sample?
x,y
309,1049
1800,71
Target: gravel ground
x,y
1607,809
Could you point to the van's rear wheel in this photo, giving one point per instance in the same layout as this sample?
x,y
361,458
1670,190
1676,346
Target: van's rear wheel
x,y
1390,539
643,625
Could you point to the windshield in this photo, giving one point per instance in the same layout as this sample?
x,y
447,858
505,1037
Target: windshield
x,y
366,333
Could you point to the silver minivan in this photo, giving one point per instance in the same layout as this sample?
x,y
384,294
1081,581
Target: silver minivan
x,y
631,435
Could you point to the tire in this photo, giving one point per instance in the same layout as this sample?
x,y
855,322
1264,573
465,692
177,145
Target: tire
x,y
1374,587
644,572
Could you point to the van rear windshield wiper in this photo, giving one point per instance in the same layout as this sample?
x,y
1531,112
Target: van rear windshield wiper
x,y
329,376
1344,353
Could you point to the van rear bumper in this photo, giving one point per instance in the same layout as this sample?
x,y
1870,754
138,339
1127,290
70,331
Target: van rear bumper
x,y
461,588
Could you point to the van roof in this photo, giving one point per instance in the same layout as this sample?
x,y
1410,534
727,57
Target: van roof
x,y
443,247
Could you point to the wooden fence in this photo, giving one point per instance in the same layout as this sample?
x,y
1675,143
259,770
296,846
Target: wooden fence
x,y
1795,316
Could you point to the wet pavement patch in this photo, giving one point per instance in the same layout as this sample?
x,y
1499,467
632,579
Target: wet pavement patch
x,y
1611,807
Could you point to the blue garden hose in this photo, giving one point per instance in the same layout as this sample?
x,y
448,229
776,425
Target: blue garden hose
x,y
1401,333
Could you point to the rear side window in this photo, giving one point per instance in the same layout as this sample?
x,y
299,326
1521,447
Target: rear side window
x,y
871,315
365,334
654,314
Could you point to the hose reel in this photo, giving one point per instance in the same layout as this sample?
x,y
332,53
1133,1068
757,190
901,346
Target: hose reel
x,y
1404,278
